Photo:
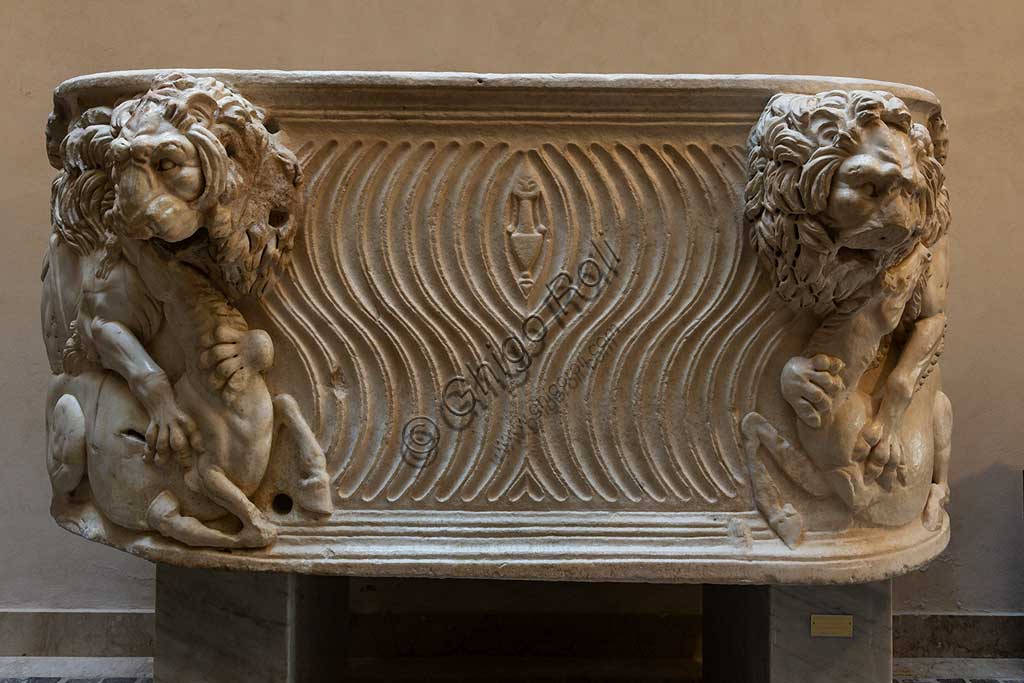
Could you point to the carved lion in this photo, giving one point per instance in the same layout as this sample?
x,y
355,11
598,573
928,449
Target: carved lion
x,y
848,213
170,207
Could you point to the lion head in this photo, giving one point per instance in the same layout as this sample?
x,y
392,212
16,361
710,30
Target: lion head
x,y
198,170
841,186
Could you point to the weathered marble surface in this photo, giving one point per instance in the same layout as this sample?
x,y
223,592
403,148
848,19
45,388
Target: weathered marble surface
x,y
661,328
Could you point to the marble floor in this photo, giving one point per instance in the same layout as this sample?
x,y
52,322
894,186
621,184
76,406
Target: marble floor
x,y
76,670
959,670
957,680
51,679
119,679
139,670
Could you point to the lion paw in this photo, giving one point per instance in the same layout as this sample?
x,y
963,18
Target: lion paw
x,y
810,384
232,357
172,432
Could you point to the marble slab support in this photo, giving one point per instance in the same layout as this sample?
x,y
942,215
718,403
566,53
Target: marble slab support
x,y
762,634
247,627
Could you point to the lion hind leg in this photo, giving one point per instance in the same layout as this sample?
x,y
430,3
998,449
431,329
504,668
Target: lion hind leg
x,y
65,453
939,496
313,491
782,517
164,515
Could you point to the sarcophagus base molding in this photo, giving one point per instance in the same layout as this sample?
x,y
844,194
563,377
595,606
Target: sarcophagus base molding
x,y
632,328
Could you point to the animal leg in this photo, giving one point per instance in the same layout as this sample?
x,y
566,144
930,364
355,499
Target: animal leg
x,y
256,531
164,515
848,483
942,421
782,517
797,466
314,487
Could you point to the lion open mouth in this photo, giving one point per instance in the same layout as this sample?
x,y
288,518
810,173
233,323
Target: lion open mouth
x,y
200,236
863,256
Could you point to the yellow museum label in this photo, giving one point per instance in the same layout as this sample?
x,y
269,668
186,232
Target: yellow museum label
x,y
832,626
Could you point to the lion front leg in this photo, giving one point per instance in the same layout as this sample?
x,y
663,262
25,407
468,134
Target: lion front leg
x,y
882,433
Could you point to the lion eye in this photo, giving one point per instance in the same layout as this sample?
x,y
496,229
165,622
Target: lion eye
x,y
166,165
869,189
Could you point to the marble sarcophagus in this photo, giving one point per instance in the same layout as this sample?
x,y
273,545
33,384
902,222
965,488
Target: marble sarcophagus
x,y
650,328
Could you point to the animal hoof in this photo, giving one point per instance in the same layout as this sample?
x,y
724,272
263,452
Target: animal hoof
x,y
257,535
314,495
789,525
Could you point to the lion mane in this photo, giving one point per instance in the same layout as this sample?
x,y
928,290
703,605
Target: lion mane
x,y
251,181
794,151
248,200
82,192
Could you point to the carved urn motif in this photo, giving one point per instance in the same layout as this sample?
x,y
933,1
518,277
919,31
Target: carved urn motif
x,y
672,328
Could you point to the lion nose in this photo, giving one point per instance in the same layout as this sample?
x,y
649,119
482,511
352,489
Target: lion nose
x,y
141,150
120,149
132,184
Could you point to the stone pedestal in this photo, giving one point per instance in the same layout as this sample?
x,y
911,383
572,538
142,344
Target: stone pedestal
x,y
244,627
764,634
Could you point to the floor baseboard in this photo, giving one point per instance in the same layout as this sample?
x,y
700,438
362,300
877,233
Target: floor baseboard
x,y
953,636
76,634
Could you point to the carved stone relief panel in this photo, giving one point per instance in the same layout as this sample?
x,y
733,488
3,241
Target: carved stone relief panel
x,y
491,326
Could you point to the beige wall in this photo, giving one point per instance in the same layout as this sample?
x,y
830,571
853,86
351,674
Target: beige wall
x,y
970,53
